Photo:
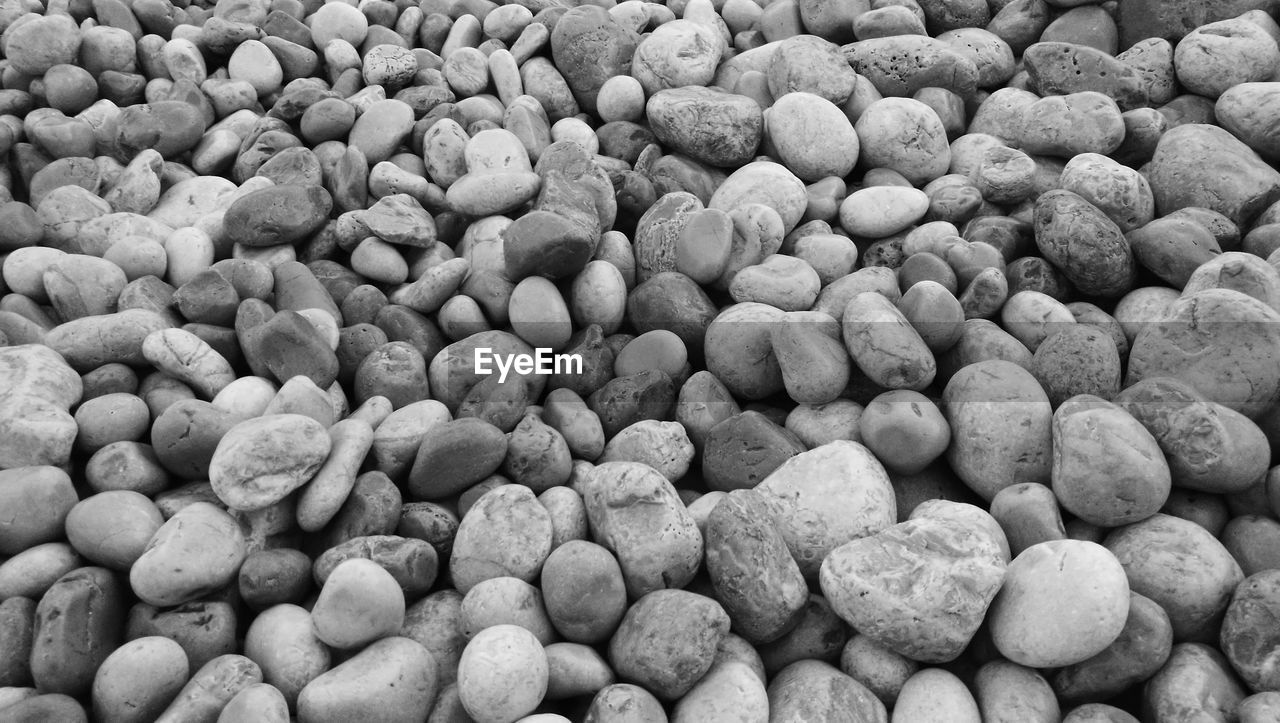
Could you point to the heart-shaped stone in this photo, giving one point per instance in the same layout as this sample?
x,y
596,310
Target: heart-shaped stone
x,y
921,587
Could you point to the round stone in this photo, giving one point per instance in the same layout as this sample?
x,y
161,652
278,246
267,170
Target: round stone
x,y
1063,601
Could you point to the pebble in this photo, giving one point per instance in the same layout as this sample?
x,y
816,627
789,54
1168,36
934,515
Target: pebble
x,y
715,127
1055,66
360,602
505,653
692,625
1181,178
260,461
79,622
882,211
1040,578
196,551
40,43
275,215
1153,352
1084,243
899,65
783,282
656,550
904,135
393,679
113,528
341,22
677,54
378,131
872,596
1074,123
797,116
43,491
138,680
1213,57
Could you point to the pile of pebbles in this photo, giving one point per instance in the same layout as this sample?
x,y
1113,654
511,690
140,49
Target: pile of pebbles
x,y
800,360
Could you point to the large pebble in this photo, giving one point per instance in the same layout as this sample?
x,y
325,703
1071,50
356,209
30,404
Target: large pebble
x,y
1244,109
1115,189
113,528
1248,639
751,568
904,135
139,680
1084,243
79,621
1182,567
1216,56
1000,423
196,552
359,603
741,451
828,496
1067,125
41,498
677,54
880,211
884,345
584,591
260,461
812,137
502,675
658,545
519,552
1197,677
1091,477
393,680
892,585
1205,166
1062,602
277,215
667,641
282,641
42,42
1230,453
709,125
1223,343
1064,67
900,65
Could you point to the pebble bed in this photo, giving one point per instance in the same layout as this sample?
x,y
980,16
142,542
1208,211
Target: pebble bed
x,y
901,361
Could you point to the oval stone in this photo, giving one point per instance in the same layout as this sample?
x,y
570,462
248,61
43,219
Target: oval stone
x,y
277,215
196,552
260,461
707,124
